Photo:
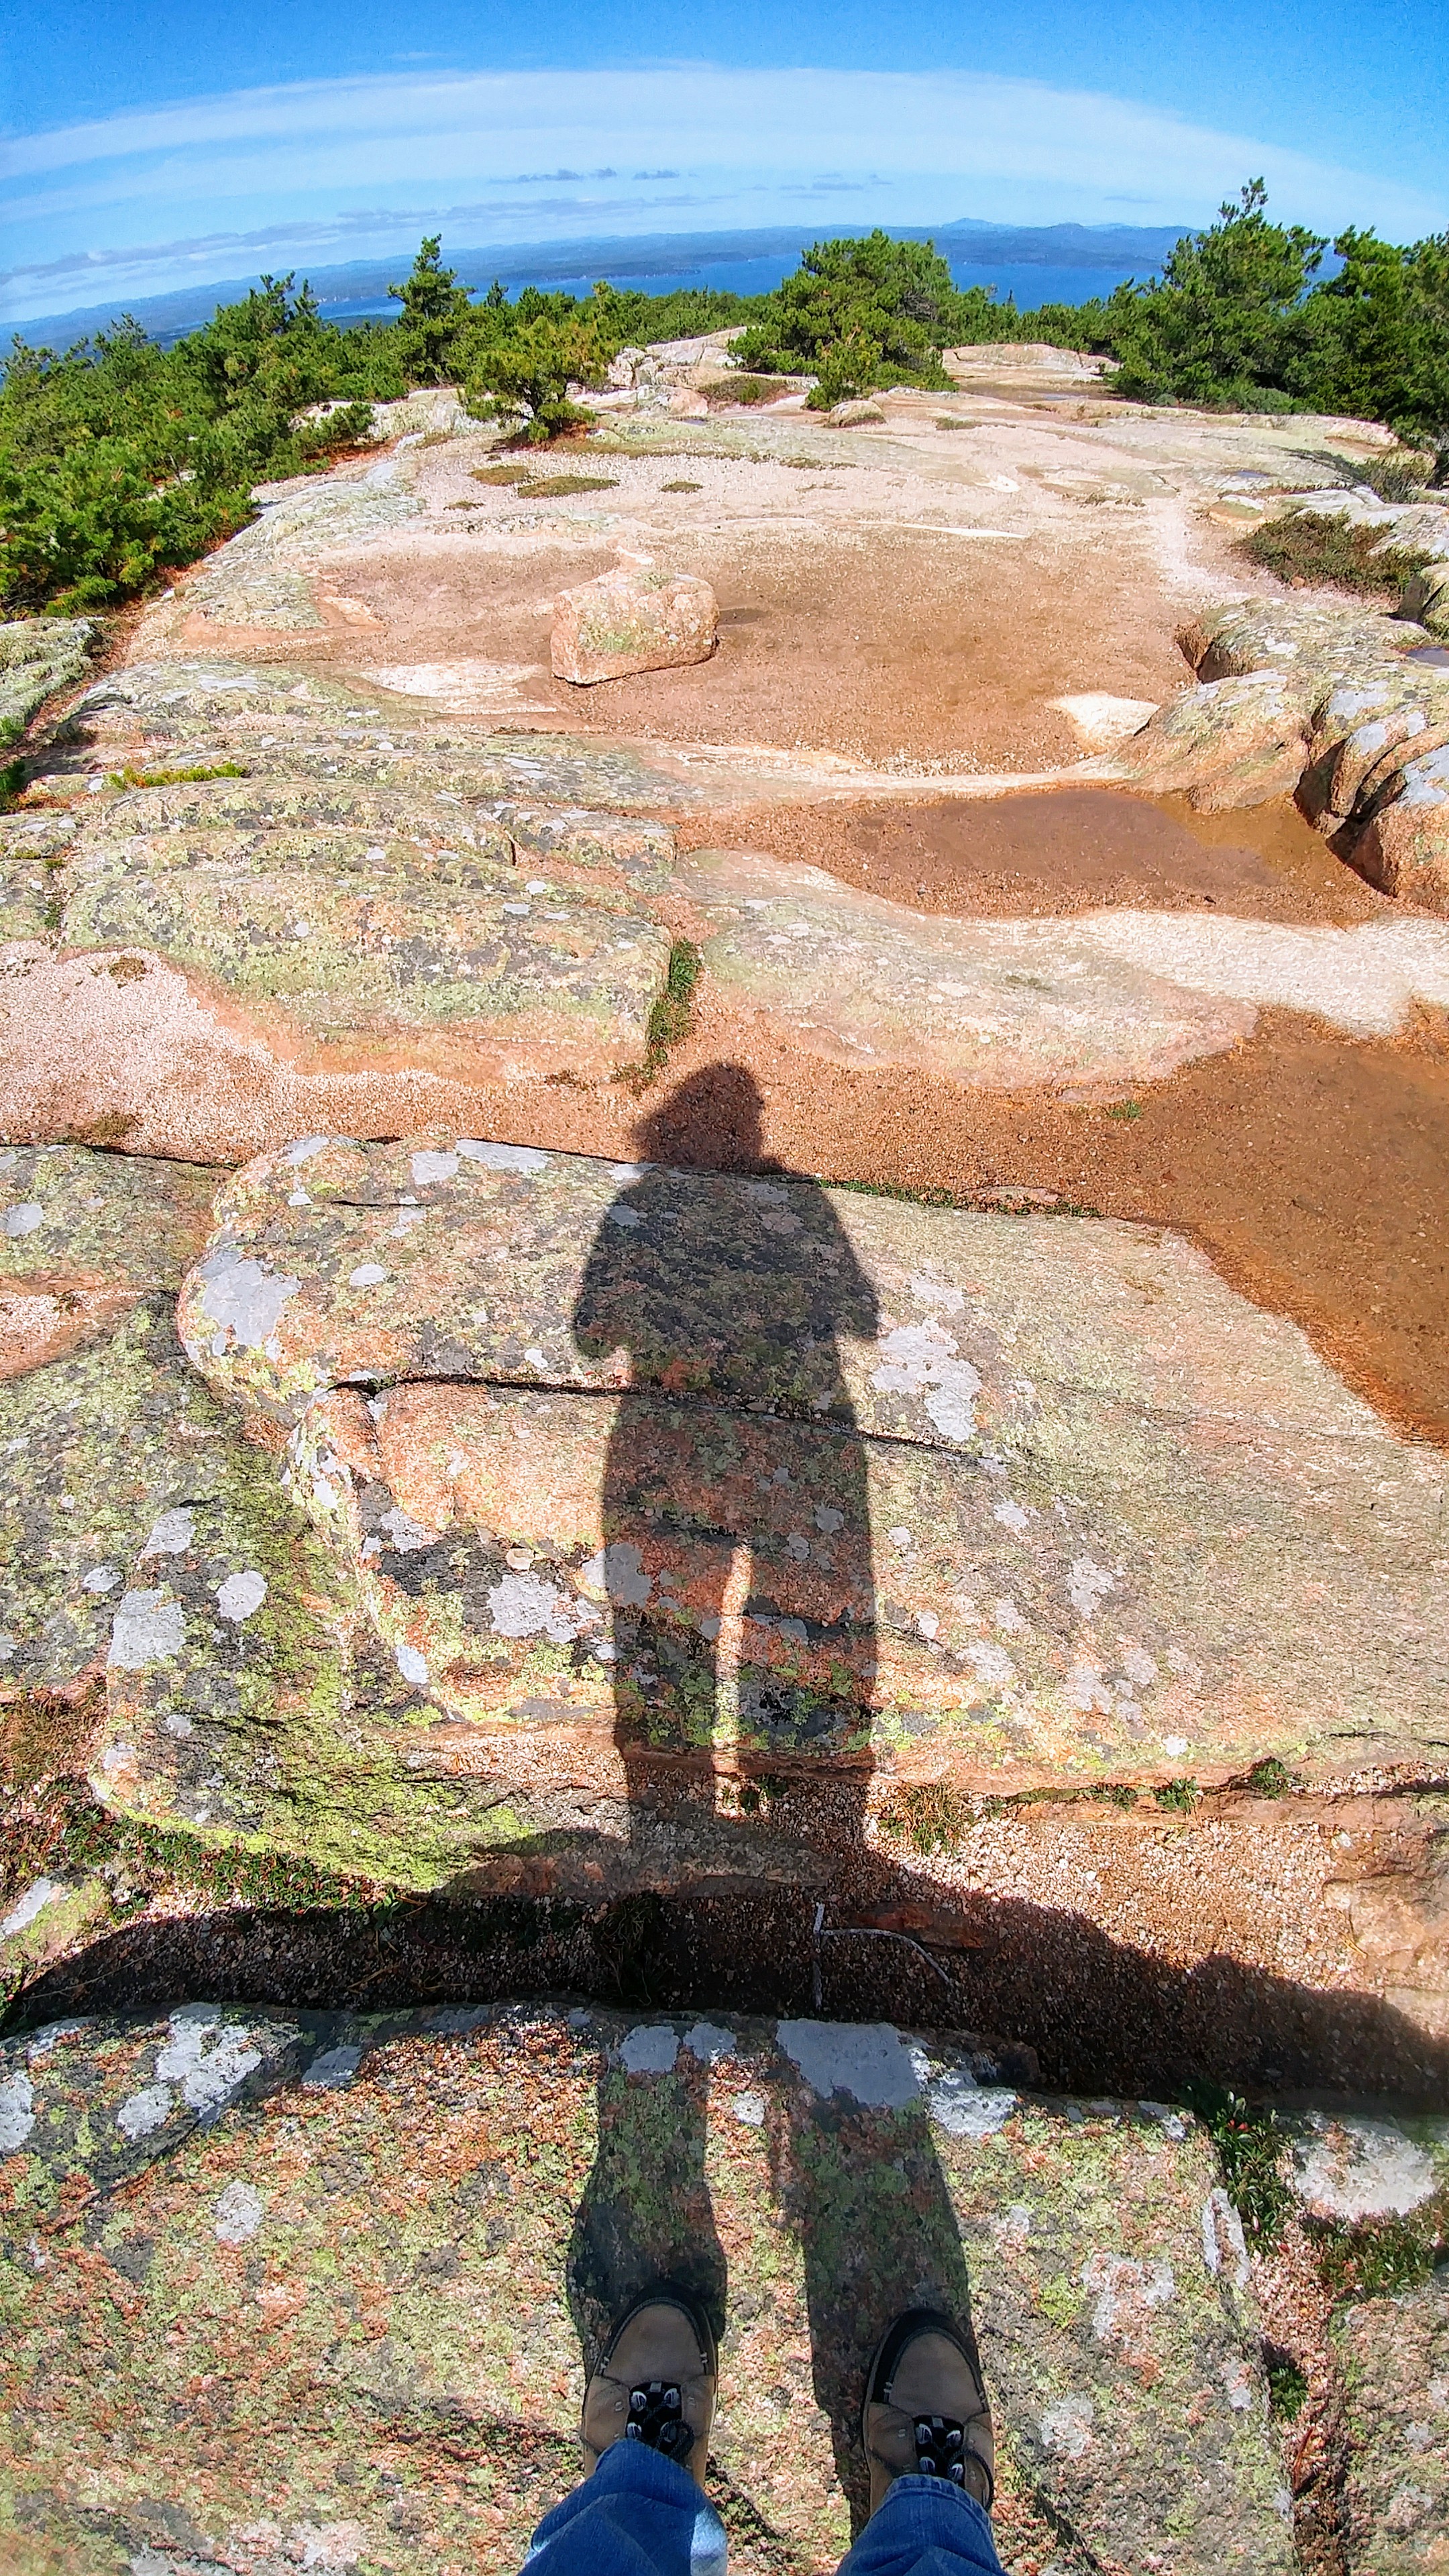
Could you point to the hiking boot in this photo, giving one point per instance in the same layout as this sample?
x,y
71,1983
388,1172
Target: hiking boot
x,y
925,2411
655,2383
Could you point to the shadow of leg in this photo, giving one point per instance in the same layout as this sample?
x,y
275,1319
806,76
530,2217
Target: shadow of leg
x,y
646,2212
864,2192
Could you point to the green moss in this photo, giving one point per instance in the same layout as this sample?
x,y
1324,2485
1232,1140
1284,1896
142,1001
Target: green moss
x,y
1061,2300
129,777
559,487
501,1829
671,1017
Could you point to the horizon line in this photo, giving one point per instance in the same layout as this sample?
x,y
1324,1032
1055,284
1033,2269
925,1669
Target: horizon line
x,y
508,260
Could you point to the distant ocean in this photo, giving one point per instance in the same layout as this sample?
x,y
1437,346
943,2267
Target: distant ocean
x,y
1026,282
1052,263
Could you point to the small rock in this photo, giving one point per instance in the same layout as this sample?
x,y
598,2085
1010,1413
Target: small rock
x,y
635,618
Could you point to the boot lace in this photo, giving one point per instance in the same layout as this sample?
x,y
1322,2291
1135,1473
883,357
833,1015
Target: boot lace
x,y
940,2448
942,2451
656,2416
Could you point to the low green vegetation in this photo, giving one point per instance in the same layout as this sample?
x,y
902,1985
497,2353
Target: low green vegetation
x,y
560,487
1249,2142
671,1017
131,777
1269,1778
530,485
1381,2257
932,1195
1179,1797
932,1816
1287,2385
1304,546
1406,474
121,462
928,1816
750,389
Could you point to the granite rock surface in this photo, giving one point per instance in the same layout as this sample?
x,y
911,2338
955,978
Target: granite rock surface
x,y
610,1462
249,908
316,2290
1395,2356
38,657
486,1476
1348,709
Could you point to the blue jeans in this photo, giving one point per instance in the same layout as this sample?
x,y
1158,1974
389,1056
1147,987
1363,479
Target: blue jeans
x,y
642,2515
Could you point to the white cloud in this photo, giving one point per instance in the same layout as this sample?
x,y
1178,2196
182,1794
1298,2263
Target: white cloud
x,y
362,165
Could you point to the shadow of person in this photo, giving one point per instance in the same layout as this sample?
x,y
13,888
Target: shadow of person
x,y
735,1513
738,1563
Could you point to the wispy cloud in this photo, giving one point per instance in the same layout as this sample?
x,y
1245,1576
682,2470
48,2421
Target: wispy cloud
x,y
221,254
145,199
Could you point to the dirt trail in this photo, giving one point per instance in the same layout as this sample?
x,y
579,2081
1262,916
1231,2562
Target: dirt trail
x,y
878,644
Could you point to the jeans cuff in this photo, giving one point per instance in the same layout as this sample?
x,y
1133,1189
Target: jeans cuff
x,y
908,2496
917,2482
636,2468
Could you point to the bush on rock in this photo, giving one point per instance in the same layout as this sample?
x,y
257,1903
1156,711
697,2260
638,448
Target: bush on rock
x,y
524,373
858,314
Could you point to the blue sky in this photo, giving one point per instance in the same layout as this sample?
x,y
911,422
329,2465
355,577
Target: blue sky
x,y
162,143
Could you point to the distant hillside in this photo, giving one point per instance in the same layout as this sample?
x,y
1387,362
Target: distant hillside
x,y
1084,260
1138,247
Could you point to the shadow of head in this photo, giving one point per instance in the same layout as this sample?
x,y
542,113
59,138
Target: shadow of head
x,y
713,1120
